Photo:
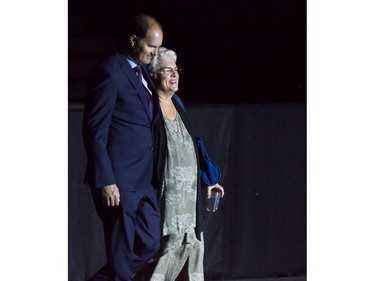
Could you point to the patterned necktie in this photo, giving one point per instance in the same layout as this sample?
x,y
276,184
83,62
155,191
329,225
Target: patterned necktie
x,y
138,70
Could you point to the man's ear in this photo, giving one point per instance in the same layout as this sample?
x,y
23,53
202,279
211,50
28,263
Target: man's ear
x,y
132,40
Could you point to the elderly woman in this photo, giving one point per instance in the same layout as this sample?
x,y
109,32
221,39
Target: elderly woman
x,y
181,193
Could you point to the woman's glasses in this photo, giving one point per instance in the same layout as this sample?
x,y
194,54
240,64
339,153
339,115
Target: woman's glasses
x,y
169,70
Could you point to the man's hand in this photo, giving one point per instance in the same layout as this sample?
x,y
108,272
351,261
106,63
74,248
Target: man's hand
x,y
111,195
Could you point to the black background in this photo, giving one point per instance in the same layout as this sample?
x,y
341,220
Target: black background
x,y
260,228
244,83
231,52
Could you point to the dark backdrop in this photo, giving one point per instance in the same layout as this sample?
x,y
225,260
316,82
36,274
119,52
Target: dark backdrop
x,y
250,51
260,229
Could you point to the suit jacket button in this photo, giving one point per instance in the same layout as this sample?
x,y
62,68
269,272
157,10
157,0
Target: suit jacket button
x,y
151,148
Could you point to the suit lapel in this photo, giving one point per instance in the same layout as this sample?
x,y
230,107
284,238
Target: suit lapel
x,y
133,78
151,86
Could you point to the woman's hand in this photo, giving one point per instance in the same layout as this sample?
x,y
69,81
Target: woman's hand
x,y
218,186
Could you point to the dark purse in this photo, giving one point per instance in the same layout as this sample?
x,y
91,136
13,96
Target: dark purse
x,y
210,172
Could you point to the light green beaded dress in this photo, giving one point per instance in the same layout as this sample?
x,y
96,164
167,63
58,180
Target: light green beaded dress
x,y
178,208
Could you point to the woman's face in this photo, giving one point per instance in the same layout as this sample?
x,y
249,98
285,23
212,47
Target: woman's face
x,y
167,82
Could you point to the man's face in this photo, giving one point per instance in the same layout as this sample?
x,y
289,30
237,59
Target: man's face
x,y
147,47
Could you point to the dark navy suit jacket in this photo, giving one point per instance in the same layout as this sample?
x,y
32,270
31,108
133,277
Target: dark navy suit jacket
x,y
117,127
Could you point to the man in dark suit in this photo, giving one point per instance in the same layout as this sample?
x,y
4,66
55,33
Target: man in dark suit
x,y
117,130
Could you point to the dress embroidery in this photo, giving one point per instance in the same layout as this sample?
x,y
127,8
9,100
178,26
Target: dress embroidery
x,y
178,208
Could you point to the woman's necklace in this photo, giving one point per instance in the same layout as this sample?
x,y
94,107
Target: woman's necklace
x,y
168,108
